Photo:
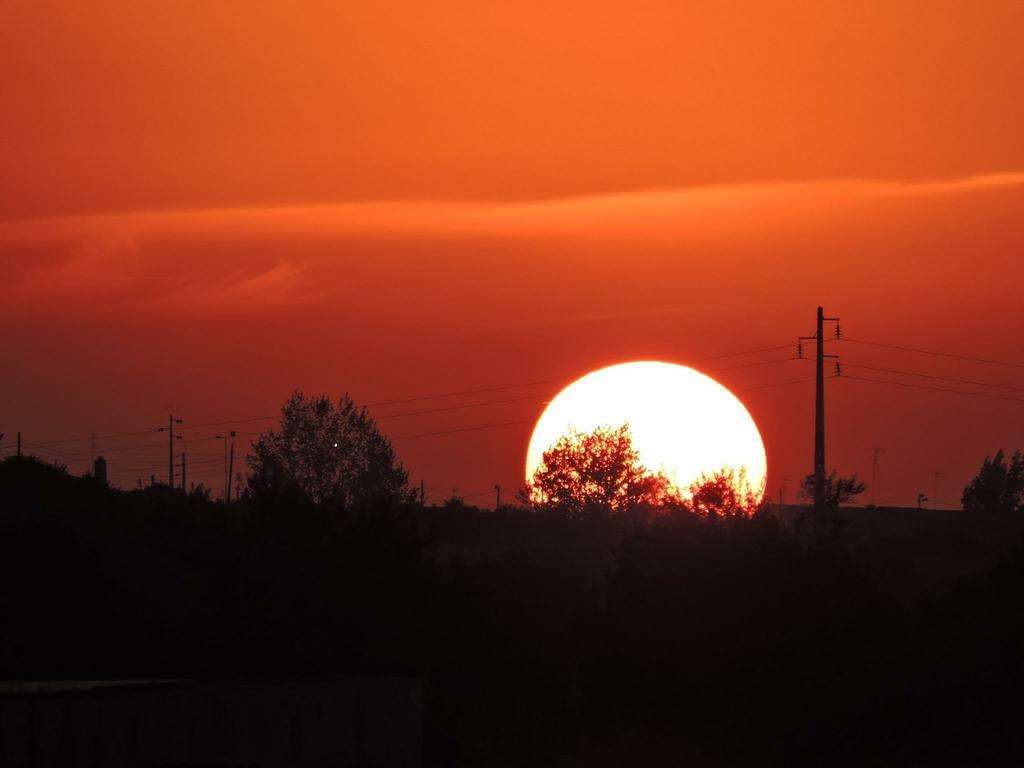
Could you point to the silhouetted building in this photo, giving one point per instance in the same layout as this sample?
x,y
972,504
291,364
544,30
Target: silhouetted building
x,y
302,723
99,470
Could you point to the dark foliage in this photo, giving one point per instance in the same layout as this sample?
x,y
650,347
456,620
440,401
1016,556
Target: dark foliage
x,y
333,455
838,490
723,495
596,473
542,639
999,486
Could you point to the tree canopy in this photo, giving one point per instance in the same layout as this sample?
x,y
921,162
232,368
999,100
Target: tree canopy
x,y
998,486
838,490
723,495
330,453
595,472
601,472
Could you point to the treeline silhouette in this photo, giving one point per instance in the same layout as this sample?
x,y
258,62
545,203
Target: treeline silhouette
x,y
542,639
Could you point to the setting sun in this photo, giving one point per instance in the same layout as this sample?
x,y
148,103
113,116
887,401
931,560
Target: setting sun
x,y
683,423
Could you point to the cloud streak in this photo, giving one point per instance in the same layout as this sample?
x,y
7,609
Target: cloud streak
x,y
225,260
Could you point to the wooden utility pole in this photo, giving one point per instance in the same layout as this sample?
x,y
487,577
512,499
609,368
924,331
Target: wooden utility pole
x,y
423,495
183,486
231,469
819,404
819,416
171,421
874,476
19,443
497,500
227,472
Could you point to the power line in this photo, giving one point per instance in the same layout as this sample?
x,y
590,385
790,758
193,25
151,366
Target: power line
x,y
464,429
460,407
936,389
232,421
158,466
110,449
530,421
219,437
930,376
443,395
95,437
759,363
521,385
540,397
147,431
784,383
741,354
476,495
79,455
463,392
935,353
437,410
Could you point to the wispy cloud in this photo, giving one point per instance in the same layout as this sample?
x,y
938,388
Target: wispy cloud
x,y
535,216
197,260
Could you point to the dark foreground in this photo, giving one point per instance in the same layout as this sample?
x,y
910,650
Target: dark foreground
x,y
872,639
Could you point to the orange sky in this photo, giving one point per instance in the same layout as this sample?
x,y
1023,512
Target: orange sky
x,y
204,205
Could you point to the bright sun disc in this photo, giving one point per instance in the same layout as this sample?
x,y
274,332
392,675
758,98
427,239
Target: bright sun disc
x,y
683,423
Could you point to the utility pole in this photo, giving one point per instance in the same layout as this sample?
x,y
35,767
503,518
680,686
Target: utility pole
x,y
19,444
874,476
231,469
819,404
497,499
227,472
183,486
423,495
921,498
171,421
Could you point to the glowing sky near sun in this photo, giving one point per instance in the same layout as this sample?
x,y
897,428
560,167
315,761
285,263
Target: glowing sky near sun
x,y
683,423
206,205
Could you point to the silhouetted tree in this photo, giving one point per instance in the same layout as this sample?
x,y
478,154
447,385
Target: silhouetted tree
x,y
838,490
598,472
454,502
724,495
330,453
998,486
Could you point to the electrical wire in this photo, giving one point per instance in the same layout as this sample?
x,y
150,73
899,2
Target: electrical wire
x,y
464,429
754,365
461,393
745,352
460,407
443,395
935,389
380,403
935,353
936,378
784,383
232,421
